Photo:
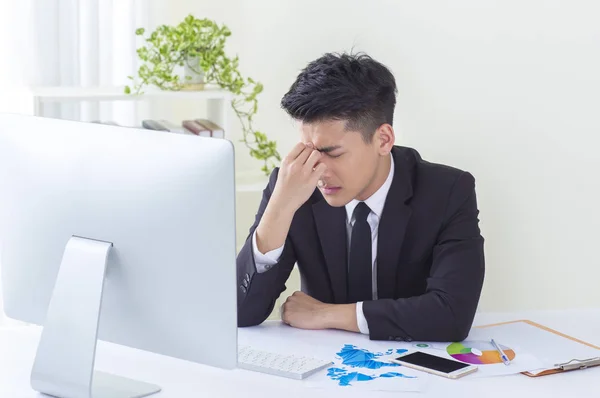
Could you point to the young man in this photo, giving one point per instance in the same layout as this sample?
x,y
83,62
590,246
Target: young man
x,y
387,244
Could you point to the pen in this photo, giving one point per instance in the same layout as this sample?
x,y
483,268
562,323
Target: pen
x,y
502,354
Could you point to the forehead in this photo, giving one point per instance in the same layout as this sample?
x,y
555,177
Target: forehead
x,y
330,127
326,133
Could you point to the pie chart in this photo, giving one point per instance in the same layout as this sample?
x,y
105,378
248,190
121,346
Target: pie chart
x,y
478,352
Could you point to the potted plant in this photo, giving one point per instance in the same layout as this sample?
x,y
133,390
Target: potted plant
x,y
192,54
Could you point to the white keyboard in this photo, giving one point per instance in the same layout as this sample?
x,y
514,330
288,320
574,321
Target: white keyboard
x,y
291,366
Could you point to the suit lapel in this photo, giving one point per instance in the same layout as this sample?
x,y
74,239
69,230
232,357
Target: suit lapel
x,y
331,228
392,226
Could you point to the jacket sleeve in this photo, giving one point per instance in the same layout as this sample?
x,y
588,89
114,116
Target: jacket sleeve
x,y
447,309
257,292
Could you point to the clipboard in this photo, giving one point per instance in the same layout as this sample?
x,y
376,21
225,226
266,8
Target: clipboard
x,y
573,364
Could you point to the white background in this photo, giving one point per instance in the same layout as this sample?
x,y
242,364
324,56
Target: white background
x,y
508,90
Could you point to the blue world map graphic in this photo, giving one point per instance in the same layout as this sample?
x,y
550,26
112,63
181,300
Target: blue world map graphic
x,y
354,359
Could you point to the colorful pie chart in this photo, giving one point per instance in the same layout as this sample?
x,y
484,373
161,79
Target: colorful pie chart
x,y
478,352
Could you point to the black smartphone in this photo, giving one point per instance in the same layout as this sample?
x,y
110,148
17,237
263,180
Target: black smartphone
x,y
435,365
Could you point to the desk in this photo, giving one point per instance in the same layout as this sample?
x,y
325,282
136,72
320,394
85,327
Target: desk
x,y
184,379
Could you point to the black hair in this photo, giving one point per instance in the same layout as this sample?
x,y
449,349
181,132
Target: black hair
x,y
350,87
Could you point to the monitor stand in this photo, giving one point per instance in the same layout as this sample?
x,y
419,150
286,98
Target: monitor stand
x,y
64,363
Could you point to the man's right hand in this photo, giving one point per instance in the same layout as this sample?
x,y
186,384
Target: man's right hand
x,y
298,176
296,181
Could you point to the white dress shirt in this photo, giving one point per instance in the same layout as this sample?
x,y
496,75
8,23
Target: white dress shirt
x,y
265,262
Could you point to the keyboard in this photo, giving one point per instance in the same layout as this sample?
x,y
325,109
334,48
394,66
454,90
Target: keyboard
x,y
290,366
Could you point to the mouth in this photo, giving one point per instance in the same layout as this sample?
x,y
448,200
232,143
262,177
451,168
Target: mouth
x,y
328,189
331,190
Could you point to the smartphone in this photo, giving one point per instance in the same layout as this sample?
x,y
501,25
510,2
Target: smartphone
x,y
436,365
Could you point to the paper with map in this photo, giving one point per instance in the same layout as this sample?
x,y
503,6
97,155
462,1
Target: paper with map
x,y
358,368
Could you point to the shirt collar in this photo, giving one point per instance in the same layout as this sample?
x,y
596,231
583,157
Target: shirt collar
x,y
377,200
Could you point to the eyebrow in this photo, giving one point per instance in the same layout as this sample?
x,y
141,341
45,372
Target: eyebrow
x,y
328,149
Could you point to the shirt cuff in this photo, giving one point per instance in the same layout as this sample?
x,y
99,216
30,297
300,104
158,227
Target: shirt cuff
x,y
363,326
265,262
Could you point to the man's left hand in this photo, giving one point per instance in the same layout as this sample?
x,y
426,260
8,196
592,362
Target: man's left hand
x,y
304,312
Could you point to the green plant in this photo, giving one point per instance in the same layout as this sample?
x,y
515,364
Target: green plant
x,y
201,43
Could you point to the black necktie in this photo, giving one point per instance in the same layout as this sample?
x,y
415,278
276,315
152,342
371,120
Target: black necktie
x,y
360,260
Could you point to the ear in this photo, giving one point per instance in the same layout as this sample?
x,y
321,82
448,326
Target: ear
x,y
385,138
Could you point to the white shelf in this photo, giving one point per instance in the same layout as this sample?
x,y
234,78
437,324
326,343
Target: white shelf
x,y
217,100
116,93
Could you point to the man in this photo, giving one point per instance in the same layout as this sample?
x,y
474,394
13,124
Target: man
x,y
387,244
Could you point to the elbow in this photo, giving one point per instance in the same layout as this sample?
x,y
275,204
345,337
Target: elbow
x,y
450,330
461,331
249,320
461,322
248,316
456,321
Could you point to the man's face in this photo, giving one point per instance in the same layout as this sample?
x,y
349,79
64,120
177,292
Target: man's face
x,y
351,163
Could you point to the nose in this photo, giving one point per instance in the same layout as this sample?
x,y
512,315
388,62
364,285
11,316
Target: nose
x,y
327,171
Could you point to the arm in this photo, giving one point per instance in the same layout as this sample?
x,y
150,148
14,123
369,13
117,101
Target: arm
x,y
260,284
289,187
446,311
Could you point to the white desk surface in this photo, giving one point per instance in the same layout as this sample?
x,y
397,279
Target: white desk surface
x,y
184,379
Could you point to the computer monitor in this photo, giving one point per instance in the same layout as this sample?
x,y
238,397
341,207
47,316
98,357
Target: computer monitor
x,y
121,234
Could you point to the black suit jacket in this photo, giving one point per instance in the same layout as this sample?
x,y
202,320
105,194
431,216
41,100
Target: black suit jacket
x,y
430,257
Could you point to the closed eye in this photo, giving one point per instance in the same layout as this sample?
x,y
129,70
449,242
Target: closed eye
x,y
334,156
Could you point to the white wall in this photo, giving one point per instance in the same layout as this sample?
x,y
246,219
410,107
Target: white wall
x,y
508,90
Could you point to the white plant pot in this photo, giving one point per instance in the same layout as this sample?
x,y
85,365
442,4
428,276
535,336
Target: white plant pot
x,y
193,75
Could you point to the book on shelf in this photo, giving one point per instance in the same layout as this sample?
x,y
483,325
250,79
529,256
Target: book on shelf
x,y
196,128
153,125
215,130
199,127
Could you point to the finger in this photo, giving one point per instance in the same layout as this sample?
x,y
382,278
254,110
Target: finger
x,y
318,172
292,300
296,150
312,160
298,297
298,293
283,312
304,155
